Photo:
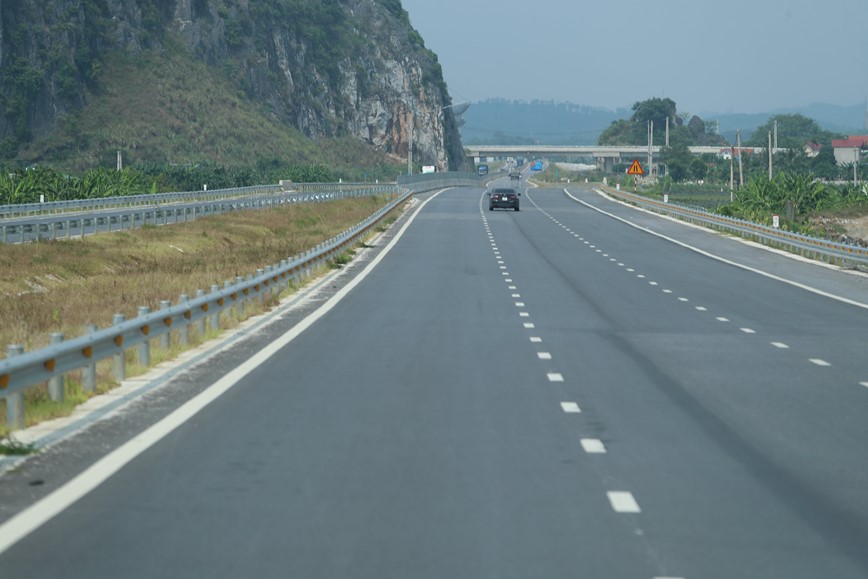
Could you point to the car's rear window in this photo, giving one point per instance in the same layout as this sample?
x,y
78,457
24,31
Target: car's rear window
x,y
506,191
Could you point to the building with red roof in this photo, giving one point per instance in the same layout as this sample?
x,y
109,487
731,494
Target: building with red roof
x,y
850,150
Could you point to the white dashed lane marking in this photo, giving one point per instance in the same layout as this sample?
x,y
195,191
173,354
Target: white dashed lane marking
x,y
819,362
535,340
555,377
593,446
722,319
748,330
570,407
623,502
544,355
529,326
780,345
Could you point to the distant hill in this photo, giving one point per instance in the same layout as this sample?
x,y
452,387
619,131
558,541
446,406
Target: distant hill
x,y
503,122
846,120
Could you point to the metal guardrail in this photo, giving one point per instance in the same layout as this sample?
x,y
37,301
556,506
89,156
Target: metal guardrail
x,y
63,224
75,205
821,249
20,370
53,207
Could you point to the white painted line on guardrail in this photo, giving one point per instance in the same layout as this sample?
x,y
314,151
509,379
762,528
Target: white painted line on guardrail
x,y
719,258
36,515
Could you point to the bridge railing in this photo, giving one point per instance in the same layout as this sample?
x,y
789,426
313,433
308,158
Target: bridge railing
x,y
21,370
842,254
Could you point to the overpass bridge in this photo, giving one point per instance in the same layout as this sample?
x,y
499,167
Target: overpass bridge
x,y
605,155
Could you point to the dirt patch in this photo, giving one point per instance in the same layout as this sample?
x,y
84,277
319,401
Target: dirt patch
x,y
850,230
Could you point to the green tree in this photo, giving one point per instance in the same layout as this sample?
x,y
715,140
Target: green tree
x,y
793,132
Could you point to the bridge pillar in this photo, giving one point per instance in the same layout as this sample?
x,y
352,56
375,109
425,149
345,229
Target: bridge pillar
x,y
606,164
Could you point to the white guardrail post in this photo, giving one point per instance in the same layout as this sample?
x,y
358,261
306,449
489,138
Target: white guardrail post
x,y
55,384
15,400
120,363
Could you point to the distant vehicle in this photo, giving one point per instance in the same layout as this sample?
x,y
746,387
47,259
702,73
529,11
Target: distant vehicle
x,y
515,175
482,170
503,198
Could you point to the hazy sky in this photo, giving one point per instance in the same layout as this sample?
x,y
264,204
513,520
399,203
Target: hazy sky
x,y
707,55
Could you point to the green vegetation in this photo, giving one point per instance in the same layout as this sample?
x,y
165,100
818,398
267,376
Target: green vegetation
x,y
14,447
795,197
684,130
176,120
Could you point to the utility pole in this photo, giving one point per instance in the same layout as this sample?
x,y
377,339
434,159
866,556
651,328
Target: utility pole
x,y
770,155
740,164
667,132
120,162
776,135
731,172
650,145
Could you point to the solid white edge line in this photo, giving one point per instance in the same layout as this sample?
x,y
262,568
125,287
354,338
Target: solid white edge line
x,y
37,514
722,259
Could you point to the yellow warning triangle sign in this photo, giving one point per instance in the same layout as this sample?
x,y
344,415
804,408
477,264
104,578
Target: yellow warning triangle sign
x,y
636,168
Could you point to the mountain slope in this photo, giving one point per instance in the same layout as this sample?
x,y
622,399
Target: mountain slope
x,y
217,80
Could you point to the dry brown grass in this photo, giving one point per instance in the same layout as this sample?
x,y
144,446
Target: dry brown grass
x,y
61,286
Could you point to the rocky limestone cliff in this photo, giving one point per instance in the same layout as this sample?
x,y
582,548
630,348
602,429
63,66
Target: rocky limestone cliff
x,y
329,68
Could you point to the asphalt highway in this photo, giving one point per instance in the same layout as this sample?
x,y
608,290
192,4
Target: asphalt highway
x,y
557,392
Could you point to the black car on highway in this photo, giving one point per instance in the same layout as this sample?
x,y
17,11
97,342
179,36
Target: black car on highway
x,y
503,198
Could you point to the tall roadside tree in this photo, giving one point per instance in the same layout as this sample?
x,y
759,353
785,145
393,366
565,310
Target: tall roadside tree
x,y
793,132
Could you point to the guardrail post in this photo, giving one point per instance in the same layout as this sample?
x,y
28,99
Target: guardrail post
x,y
263,295
55,384
145,347
165,339
185,330
232,310
284,263
240,304
200,323
119,361
15,401
215,315
88,373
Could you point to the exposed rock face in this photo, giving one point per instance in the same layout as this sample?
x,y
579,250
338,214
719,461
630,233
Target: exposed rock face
x,y
337,68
